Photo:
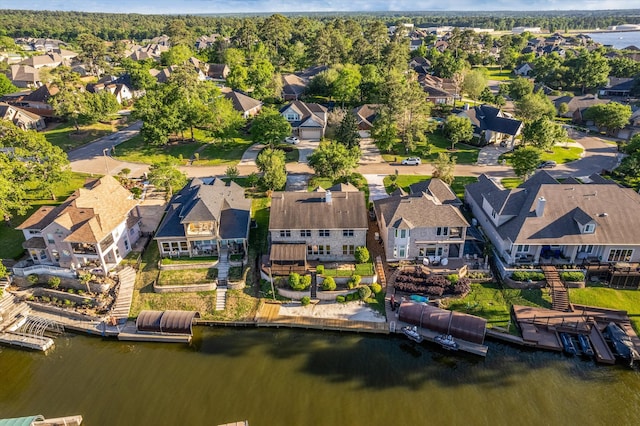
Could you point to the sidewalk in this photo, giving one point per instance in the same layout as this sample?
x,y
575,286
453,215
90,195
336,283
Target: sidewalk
x,y
251,154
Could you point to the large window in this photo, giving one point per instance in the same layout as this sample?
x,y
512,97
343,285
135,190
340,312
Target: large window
x,y
320,249
347,232
455,232
443,231
402,233
285,233
400,252
585,248
348,250
617,255
522,248
325,233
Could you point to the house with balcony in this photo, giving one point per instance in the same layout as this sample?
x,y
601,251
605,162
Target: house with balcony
x,y
544,221
421,225
96,227
324,225
208,217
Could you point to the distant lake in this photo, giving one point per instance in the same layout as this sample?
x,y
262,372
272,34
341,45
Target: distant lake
x,y
617,40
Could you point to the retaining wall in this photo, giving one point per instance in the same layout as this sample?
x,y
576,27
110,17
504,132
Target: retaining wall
x,y
187,288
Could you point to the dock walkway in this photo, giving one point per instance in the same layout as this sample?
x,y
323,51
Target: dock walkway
x,y
559,294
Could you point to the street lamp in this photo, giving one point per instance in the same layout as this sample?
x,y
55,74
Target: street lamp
x,y
106,164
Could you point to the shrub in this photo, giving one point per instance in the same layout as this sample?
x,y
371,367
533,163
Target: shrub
x,y
329,284
526,276
33,279
340,299
361,254
320,269
375,288
354,281
294,281
67,302
364,292
305,300
572,276
54,282
305,281
453,278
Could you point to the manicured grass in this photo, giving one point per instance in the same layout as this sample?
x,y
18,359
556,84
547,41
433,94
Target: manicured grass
x,y
187,276
510,183
559,153
188,260
496,74
376,302
12,239
258,236
465,154
65,135
361,269
489,301
136,150
626,300
404,181
223,153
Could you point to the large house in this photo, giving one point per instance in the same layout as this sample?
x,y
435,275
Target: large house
x,y
491,125
544,221
21,118
365,116
96,226
208,217
319,225
245,105
576,105
425,224
308,120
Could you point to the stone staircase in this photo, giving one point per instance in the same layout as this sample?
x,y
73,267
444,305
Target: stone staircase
x,y
223,275
559,294
122,305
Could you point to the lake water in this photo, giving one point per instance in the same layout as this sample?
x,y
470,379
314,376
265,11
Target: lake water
x,y
617,40
286,377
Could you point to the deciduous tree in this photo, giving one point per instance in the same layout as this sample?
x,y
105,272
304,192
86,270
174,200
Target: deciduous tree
x,y
612,116
525,161
444,166
458,129
333,160
270,127
271,162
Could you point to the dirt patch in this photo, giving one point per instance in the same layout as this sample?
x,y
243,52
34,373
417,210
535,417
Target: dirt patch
x,y
354,311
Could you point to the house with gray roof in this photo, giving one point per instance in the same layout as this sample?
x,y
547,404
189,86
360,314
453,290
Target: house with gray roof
x,y
491,125
245,105
545,221
208,217
365,116
617,87
577,105
324,225
420,225
308,120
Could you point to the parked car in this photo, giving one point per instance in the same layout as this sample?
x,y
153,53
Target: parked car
x,y
547,165
292,140
412,161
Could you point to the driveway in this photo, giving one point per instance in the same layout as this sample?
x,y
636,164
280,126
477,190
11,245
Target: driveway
x,y
370,152
376,186
599,154
251,154
297,181
306,148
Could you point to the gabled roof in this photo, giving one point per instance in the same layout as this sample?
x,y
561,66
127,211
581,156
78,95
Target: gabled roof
x,y
41,94
293,85
417,211
620,84
486,117
309,114
203,200
577,102
90,213
24,73
241,102
310,210
437,189
366,114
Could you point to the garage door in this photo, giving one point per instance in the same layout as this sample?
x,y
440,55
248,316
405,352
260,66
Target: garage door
x,y
311,134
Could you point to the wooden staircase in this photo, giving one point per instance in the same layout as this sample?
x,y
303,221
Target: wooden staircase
x,y
559,294
382,280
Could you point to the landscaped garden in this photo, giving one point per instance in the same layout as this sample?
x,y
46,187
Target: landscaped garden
x,y
437,143
416,280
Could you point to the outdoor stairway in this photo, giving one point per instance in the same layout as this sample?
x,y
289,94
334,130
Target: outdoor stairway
x,y
314,286
223,275
221,298
122,305
559,294
12,312
380,271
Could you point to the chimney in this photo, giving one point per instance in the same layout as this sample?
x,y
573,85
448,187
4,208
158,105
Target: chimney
x,y
327,197
540,206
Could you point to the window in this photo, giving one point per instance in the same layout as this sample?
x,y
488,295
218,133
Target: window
x,y
348,249
421,252
305,232
401,233
327,250
50,239
620,255
442,231
318,250
586,248
126,244
290,116
325,233
285,233
166,247
589,228
455,232
494,214
522,248
184,246
347,232
400,251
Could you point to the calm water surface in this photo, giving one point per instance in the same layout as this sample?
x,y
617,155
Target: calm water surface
x,y
285,377
618,40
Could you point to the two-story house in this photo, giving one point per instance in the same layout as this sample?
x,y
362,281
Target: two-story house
x,y
491,125
97,225
545,221
319,225
208,217
420,225
308,120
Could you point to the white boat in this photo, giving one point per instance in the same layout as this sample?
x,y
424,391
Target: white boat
x,y
412,333
447,342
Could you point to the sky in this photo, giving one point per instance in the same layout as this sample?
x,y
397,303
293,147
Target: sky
x,y
262,6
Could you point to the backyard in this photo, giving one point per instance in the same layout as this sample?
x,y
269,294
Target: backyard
x,y
64,134
437,143
626,300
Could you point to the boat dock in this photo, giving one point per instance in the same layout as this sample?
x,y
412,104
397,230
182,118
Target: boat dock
x,y
131,333
430,335
26,341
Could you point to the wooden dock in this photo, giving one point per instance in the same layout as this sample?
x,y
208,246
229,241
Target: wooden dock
x,y
430,335
26,341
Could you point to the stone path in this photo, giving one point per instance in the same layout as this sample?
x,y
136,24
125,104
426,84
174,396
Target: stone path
x,y
122,305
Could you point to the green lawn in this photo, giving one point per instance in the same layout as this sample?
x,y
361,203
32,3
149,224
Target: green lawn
x,y
65,136
223,153
258,236
466,154
187,276
560,154
404,181
504,75
510,183
626,300
490,301
291,153
12,239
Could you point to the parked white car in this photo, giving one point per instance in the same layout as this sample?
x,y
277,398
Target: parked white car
x,y
412,161
292,140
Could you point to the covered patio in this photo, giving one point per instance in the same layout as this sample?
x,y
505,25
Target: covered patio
x,y
287,258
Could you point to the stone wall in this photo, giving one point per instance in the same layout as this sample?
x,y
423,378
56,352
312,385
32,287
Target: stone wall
x,y
291,294
73,283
